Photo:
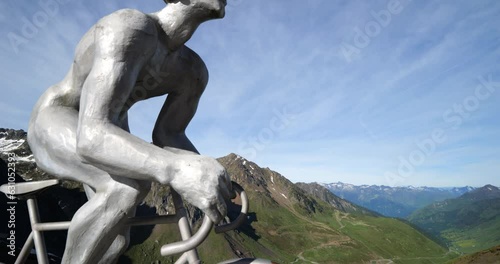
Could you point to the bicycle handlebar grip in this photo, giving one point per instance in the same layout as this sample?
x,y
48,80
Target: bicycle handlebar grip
x,y
243,214
192,242
206,226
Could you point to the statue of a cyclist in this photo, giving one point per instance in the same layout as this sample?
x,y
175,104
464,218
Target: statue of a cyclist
x,y
79,129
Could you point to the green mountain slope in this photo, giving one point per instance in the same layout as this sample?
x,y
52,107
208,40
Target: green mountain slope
x,y
490,256
307,227
469,223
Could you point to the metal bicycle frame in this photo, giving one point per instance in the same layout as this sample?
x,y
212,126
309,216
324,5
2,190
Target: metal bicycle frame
x,y
187,247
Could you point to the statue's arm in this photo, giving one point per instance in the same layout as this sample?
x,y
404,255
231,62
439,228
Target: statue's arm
x,y
120,55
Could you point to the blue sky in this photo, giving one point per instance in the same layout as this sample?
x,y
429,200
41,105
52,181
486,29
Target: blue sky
x,y
365,92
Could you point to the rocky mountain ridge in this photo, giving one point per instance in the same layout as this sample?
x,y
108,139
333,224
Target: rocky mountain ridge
x,y
322,193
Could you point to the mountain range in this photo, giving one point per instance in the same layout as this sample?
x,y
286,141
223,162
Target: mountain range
x,y
468,223
287,223
394,201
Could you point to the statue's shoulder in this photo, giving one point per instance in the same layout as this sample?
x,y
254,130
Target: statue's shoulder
x,y
129,20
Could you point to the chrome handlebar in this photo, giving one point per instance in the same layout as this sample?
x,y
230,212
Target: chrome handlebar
x,y
203,232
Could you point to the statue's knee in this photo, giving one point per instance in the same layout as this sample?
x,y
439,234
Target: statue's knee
x,y
196,90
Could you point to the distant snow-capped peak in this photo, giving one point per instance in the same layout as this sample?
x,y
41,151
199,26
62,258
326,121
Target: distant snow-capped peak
x,y
340,186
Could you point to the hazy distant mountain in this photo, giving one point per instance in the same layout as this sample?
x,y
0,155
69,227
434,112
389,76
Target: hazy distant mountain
x,y
285,224
470,222
394,201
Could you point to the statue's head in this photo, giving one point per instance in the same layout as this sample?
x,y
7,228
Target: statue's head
x,y
214,8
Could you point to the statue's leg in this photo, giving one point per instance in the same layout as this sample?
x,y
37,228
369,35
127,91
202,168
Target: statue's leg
x,y
121,242
52,138
118,247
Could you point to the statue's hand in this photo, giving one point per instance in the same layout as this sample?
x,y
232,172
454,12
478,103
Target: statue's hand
x,y
204,183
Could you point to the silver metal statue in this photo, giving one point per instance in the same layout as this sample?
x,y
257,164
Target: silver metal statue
x,y
79,129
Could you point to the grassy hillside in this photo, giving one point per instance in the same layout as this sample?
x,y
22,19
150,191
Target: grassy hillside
x,y
469,223
490,256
